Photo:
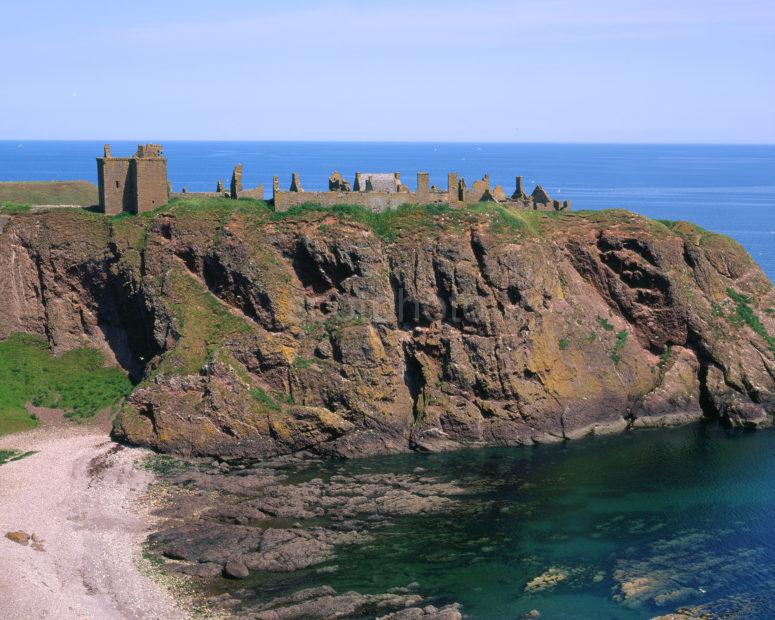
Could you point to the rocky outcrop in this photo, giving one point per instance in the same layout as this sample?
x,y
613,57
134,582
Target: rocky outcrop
x,y
263,520
253,334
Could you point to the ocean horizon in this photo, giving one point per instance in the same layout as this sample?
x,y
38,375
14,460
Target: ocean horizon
x,y
726,188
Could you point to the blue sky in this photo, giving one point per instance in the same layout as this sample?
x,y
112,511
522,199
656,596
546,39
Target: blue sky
x,y
533,71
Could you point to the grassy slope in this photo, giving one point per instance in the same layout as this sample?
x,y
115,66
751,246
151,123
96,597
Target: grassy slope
x,y
204,324
76,381
48,193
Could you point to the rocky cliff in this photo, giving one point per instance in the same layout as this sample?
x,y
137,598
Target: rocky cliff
x,y
254,334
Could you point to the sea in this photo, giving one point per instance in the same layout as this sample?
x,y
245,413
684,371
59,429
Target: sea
x,y
624,527
627,526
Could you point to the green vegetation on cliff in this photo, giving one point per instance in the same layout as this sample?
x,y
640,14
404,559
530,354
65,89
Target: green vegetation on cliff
x,y
419,219
744,314
8,456
11,208
387,225
49,193
204,323
77,382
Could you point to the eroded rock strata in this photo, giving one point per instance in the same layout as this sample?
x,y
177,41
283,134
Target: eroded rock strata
x,y
254,334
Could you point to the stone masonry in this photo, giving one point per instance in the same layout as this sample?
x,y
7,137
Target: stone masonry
x,y
139,183
382,191
133,184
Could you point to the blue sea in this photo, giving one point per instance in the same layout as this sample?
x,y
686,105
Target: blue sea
x,y
629,526
724,188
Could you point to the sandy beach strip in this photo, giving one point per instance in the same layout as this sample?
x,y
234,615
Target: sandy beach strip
x,y
81,496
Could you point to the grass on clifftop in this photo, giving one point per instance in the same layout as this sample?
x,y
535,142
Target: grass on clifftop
x,y
76,382
389,225
222,207
12,208
410,219
49,193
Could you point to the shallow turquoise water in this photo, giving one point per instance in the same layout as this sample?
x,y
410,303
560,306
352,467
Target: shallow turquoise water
x,y
691,508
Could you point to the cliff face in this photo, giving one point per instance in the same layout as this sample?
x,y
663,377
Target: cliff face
x,y
257,334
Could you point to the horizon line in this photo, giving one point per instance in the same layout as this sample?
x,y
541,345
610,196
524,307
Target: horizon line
x,y
495,142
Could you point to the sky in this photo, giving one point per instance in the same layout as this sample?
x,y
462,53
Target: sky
x,y
699,71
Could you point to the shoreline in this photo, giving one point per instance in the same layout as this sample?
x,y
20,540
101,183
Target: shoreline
x,y
82,499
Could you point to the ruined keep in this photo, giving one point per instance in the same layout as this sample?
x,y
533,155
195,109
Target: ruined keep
x,y
139,183
382,191
133,184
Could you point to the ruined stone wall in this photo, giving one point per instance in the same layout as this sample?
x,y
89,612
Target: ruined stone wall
x,y
174,195
375,201
382,201
151,187
235,187
256,194
116,185
477,191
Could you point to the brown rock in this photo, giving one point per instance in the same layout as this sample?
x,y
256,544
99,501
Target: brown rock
x,y
22,538
235,568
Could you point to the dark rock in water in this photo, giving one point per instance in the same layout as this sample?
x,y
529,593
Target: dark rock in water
x,y
681,568
289,550
204,570
735,606
206,537
200,542
429,612
235,568
324,602
352,526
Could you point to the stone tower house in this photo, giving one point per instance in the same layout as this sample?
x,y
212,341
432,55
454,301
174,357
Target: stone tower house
x,y
134,184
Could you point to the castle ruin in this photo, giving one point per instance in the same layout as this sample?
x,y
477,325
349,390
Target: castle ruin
x,y
382,191
139,183
134,184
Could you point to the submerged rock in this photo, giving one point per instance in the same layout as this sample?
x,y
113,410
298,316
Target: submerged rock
x,y
290,526
683,568
323,603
